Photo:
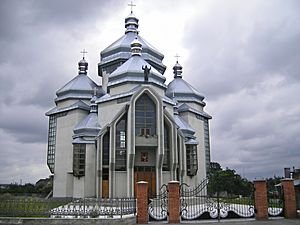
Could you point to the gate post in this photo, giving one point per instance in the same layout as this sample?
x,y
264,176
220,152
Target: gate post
x,y
142,202
261,200
289,194
174,202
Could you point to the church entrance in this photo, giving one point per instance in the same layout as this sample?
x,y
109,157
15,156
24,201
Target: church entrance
x,y
145,173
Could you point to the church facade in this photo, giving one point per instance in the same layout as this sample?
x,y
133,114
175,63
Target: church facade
x,y
102,139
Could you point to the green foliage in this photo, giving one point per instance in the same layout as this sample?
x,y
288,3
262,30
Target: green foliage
x,y
42,188
227,182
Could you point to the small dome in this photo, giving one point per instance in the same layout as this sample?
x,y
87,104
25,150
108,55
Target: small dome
x,y
131,23
136,47
177,70
82,66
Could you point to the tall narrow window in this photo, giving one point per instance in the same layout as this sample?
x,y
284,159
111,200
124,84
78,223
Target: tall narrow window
x,y
121,150
145,116
191,160
52,140
105,149
166,163
79,160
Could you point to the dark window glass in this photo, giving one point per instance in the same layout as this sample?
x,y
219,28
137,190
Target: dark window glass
x,y
145,116
191,160
121,150
166,163
52,140
79,159
105,148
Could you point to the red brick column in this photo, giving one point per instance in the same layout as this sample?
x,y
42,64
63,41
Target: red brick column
x,y
290,210
142,202
261,200
174,202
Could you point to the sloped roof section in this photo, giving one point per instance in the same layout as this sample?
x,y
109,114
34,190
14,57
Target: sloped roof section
x,y
179,88
89,126
77,105
186,108
183,125
81,87
131,71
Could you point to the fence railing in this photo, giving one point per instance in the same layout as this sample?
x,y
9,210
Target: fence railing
x,y
69,207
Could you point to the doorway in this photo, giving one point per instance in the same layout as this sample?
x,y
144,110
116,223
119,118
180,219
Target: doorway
x,y
145,173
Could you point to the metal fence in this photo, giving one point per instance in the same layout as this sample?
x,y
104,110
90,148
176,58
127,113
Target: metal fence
x,y
69,208
196,204
158,205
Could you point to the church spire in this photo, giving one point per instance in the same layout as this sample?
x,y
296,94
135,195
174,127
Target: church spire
x,y
83,64
136,47
94,108
177,69
131,22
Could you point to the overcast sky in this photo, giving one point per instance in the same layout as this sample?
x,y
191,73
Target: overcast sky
x,y
243,56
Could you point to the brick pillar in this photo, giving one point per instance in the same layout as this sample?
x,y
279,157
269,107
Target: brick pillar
x,y
290,210
142,202
174,202
261,200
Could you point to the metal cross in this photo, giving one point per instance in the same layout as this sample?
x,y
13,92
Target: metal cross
x,y
131,5
176,56
83,52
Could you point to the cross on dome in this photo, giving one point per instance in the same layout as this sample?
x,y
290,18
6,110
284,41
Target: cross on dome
x,y
83,52
131,6
177,56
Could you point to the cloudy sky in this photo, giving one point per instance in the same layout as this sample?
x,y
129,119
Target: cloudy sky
x,y
244,56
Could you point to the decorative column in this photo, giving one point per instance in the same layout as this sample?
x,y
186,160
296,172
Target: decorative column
x,y
261,200
142,202
290,210
174,202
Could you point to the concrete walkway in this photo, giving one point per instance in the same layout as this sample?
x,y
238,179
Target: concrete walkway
x,y
45,221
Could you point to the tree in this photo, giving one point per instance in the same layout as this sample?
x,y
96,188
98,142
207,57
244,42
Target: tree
x,y
227,181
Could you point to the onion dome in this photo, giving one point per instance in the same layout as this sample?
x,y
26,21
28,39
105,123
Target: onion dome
x,y
177,70
80,87
131,23
82,66
181,90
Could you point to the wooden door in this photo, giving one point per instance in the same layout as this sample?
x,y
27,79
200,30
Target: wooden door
x,y
148,176
105,189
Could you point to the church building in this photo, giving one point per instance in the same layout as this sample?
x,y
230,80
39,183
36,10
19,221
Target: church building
x,y
102,139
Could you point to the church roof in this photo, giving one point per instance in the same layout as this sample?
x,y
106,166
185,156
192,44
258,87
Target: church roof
x,y
120,49
77,105
89,126
81,86
133,69
183,125
181,90
186,108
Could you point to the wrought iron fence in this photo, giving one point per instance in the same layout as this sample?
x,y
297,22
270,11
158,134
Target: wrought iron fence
x,y
158,205
69,208
197,204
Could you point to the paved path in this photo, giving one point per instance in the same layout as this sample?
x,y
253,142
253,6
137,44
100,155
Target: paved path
x,y
277,221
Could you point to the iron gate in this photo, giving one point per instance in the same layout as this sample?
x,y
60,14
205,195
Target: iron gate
x,y
197,204
275,201
158,205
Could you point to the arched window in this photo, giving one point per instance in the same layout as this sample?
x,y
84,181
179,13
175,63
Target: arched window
x,y
121,150
166,163
145,116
